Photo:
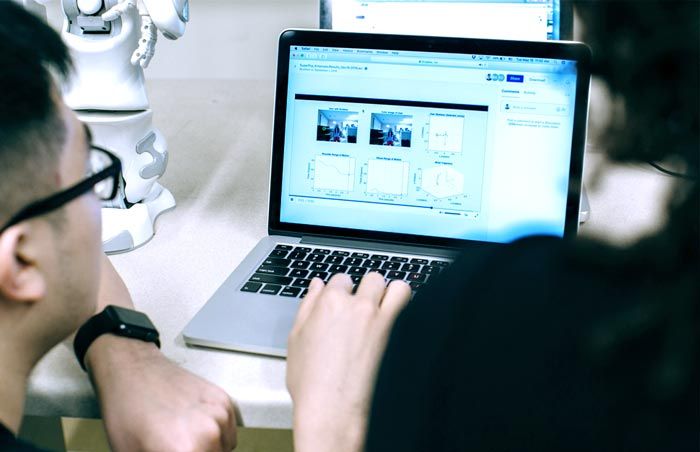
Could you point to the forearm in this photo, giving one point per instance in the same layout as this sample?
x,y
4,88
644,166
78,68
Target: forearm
x,y
109,355
325,431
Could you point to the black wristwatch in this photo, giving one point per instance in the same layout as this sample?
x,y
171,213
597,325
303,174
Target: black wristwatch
x,y
114,320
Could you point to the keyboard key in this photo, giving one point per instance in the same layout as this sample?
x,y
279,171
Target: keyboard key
x,y
297,255
338,268
301,282
251,287
410,267
284,247
340,253
300,264
415,285
302,249
278,253
303,293
381,272
399,259
380,257
271,289
268,270
321,251
334,260
396,275
369,263
360,255
356,279
430,270
417,277
290,291
315,258
258,277
277,262
419,261
298,273
354,261
322,275
391,265
317,266
357,271
440,263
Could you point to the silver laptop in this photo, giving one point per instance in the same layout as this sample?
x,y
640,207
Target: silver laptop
x,y
391,154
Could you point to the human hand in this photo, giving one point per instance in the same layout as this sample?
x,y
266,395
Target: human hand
x,y
149,403
333,355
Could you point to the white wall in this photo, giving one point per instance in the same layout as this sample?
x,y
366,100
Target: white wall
x,y
231,39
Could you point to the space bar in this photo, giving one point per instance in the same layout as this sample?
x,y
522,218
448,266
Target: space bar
x,y
271,279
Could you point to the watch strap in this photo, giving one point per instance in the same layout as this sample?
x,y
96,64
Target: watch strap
x,y
104,323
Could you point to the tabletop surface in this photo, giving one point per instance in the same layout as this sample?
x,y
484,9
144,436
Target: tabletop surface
x,y
219,135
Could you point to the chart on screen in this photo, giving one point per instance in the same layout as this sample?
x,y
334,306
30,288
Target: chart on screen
x,y
335,173
387,177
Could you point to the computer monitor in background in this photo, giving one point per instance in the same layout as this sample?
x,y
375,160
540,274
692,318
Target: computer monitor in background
x,y
528,20
531,20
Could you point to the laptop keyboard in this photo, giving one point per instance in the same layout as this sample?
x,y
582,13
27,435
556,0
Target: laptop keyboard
x,y
288,269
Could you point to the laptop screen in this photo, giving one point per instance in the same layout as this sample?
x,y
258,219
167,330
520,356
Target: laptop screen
x,y
459,146
496,19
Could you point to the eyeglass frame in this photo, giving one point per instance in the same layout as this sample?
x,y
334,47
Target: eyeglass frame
x,y
63,197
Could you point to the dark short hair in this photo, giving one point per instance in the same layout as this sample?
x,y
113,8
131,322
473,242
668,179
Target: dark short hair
x,y
647,52
32,132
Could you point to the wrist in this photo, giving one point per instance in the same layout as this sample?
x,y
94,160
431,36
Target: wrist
x,y
109,352
321,431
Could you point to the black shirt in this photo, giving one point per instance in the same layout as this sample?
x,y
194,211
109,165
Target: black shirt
x,y
494,355
9,443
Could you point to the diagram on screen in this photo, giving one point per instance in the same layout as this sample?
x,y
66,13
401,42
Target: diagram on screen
x,y
446,133
442,181
334,173
388,177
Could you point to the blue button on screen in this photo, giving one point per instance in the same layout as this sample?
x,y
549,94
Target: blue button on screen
x,y
515,78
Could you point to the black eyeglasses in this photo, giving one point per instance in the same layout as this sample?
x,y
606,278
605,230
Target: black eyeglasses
x,y
102,178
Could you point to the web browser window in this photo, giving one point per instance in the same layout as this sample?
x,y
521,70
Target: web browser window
x,y
447,145
496,19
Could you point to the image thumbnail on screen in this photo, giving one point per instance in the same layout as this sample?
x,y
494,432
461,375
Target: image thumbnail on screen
x,y
337,126
391,130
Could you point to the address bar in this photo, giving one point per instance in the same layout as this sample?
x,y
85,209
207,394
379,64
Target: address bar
x,y
427,61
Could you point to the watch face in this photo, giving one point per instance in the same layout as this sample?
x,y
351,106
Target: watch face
x,y
133,318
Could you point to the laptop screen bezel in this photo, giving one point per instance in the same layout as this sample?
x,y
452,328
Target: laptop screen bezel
x,y
566,18
541,49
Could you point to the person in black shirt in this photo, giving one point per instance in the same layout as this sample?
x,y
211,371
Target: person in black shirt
x,y
53,275
541,344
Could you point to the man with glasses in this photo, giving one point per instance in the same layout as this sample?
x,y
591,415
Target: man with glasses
x,y
54,276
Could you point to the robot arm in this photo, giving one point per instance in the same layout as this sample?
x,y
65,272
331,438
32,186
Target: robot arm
x,y
168,16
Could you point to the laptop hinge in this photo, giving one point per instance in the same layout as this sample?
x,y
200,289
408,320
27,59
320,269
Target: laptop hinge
x,y
378,246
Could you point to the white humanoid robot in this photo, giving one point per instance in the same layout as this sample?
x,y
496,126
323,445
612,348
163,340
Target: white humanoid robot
x,y
111,42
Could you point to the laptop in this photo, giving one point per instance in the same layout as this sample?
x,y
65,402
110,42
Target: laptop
x,y
538,20
391,153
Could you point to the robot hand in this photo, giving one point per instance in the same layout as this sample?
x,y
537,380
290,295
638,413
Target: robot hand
x,y
168,16
149,35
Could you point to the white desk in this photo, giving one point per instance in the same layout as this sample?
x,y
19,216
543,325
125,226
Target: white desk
x,y
219,135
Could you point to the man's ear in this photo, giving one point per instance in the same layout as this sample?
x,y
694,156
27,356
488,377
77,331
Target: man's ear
x,y
20,277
